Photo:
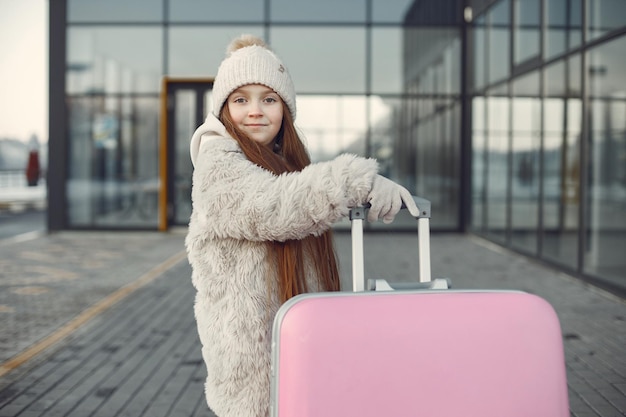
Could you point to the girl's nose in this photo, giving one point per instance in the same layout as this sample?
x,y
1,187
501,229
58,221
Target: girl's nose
x,y
255,109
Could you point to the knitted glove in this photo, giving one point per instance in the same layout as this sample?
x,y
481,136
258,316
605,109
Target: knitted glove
x,y
386,198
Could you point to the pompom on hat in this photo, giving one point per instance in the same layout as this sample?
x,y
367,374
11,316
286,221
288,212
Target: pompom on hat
x,y
250,61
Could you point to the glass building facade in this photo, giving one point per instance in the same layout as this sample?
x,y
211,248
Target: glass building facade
x,y
509,115
548,92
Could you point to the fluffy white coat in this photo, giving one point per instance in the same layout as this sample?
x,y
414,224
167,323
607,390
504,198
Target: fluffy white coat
x,y
237,206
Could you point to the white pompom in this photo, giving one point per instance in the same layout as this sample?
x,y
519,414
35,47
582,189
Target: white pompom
x,y
244,41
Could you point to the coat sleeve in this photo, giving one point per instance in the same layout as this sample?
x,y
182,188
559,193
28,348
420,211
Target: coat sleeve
x,y
235,198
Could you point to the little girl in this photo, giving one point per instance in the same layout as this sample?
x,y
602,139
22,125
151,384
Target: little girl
x,y
260,230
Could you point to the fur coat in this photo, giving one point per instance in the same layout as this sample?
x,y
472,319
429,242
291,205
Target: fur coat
x,y
237,206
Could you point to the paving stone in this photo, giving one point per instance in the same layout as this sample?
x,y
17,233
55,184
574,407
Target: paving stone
x,y
141,357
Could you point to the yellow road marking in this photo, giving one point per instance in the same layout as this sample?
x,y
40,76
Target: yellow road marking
x,y
88,314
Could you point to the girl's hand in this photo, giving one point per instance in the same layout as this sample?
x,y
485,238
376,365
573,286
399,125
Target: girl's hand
x,y
386,198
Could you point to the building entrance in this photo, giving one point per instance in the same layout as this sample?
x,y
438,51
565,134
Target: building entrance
x,y
184,105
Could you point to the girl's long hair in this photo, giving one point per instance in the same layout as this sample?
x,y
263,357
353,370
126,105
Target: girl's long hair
x,y
289,155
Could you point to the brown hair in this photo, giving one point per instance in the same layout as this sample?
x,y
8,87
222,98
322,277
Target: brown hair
x,y
289,155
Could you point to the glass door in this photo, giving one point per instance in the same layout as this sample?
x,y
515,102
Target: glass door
x,y
184,105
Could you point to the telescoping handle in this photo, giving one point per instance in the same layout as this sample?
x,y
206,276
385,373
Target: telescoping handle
x,y
358,214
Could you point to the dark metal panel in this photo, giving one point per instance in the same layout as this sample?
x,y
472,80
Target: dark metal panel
x,y
57,124
479,6
465,191
434,13
584,149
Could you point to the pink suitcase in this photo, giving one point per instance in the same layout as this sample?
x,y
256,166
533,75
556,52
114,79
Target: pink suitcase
x,y
419,353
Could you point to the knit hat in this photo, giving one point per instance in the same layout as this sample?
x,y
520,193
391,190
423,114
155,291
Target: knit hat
x,y
250,61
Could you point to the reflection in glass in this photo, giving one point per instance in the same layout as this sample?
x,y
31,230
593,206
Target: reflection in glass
x,y
480,52
113,162
431,118
438,160
405,147
497,148
184,59
292,11
432,61
451,173
499,35
383,129
561,163
479,167
331,125
525,154
184,125
605,16
527,30
334,62
115,11
387,60
106,59
390,11
563,26
438,157
604,252
218,11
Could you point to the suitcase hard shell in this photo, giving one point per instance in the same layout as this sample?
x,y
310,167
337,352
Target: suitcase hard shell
x,y
434,353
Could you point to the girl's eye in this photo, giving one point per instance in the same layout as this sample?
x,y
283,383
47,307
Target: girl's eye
x,y
271,100
239,100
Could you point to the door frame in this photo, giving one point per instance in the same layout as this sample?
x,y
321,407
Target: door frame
x,y
168,86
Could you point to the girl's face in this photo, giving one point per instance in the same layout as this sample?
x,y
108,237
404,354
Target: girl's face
x,y
258,111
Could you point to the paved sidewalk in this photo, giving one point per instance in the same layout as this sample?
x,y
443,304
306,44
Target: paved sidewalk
x,y
138,355
49,280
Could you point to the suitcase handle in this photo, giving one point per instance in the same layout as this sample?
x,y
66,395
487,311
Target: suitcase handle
x,y
422,204
357,215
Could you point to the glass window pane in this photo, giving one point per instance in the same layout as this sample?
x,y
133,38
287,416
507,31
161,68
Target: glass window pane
x,y
575,38
452,67
432,60
556,27
527,29
404,147
526,146
323,11
185,42
384,129
480,53
604,252
334,61
478,163
605,16
499,36
561,169
106,59
387,60
433,13
114,11
332,124
185,122
437,147
449,185
434,153
563,26
438,162
113,172
497,149
218,11
390,11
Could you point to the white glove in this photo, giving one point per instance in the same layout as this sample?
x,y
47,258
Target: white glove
x,y
386,198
